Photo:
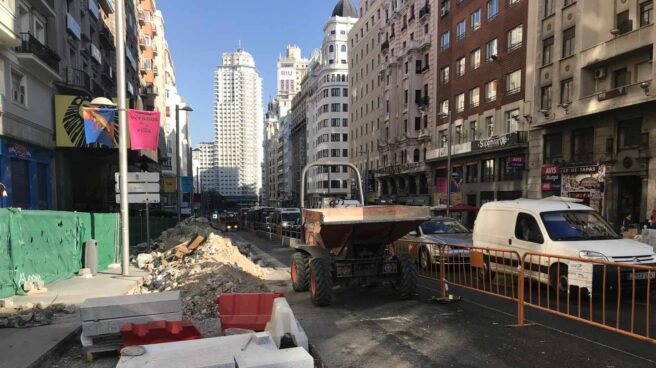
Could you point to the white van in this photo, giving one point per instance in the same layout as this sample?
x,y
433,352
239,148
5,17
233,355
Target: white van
x,y
559,227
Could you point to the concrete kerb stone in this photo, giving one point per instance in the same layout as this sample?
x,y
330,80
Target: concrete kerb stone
x,y
113,326
96,309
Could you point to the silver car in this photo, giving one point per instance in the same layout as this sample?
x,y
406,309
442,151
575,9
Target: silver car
x,y
424,242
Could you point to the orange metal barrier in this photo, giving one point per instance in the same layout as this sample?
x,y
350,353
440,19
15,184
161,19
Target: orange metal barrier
x,y
614,296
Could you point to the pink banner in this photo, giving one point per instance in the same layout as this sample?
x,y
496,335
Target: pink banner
x,y
144,129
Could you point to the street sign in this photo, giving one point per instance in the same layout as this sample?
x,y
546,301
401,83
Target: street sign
x,y
139,188
140,198
140,177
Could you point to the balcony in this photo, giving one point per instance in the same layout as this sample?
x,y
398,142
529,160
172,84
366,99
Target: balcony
x,y
73,26
38,57
424,12
149,90
95,54
45,7
425,42
107,5
108,73
423,103
617,46
107,38
78,79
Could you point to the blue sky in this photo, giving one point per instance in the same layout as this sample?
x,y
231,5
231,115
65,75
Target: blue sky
x,y
198,31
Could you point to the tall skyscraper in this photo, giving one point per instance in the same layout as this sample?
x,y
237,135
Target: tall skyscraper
x,y
237,127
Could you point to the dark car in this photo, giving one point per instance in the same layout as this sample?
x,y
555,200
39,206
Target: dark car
x,y
427,240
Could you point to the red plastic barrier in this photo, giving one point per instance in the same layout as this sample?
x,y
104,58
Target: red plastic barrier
x,y
156,332
247,311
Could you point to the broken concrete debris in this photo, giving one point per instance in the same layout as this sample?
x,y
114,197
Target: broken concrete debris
x,y
29,315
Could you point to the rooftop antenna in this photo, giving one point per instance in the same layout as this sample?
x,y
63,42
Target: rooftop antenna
x,y
239,45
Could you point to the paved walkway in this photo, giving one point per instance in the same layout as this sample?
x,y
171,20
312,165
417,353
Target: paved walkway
x,y
30,347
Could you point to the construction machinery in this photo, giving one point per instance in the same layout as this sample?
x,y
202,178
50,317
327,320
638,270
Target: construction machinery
x,y
345,242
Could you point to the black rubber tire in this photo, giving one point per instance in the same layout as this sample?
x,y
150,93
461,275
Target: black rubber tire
x,y
561,285
300,271
406,283
425,261
321,282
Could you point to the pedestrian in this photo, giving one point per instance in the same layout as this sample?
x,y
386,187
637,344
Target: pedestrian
x,y
652,220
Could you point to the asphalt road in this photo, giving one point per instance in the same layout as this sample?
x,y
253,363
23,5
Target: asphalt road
x,y
368,327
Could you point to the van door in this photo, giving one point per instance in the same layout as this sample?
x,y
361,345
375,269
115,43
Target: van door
x,y
528,238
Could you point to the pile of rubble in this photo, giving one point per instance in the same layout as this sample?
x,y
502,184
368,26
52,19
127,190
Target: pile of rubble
x,y
28,315
184,231
201,273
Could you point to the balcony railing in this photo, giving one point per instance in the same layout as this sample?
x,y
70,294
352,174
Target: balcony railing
x,y
78,78
385,46
422,102
424,11
30,45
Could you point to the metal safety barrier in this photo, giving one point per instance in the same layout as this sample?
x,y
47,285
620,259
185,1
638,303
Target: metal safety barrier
x,y
614,296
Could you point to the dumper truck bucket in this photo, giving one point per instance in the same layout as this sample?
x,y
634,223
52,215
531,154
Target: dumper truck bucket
x,y
337,227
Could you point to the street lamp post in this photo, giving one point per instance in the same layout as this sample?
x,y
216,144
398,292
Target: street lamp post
x,y
448,161
366,176
178,156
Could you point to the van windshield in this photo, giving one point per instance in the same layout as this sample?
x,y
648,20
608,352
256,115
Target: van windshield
x,y
291,217
577,225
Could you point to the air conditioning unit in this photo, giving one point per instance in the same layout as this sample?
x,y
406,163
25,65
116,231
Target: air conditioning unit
x,y
444,12
600,73
628,160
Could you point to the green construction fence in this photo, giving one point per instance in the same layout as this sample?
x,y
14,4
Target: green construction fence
x,y
49,245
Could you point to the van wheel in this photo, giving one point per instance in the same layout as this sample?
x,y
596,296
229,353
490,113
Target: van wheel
x,y
300,271
558,278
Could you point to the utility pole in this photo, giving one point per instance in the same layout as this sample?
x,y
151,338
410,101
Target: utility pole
x,y
178,156
448,161
123,136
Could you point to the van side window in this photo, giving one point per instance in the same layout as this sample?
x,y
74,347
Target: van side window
x,y
527,229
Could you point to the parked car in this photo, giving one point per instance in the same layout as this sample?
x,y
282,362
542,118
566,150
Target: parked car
x,y
562,228
426,240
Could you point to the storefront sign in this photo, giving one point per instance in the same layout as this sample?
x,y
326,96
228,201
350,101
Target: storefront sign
x,y
170,184
516,161
495,142
551,179
18,150
586,183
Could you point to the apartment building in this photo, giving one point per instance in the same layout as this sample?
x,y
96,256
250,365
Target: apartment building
x,y
328,108
238,128
590,95
480,77
207,172
392,88
270,163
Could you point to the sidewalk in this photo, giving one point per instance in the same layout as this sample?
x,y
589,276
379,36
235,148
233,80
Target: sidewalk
x,y
30,347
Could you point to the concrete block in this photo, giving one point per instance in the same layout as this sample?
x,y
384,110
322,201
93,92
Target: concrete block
x,y
96,309
283,321
215,352
257,357
114,325
7,303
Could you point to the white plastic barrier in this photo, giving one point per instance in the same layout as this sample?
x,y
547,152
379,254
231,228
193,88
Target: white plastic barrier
x,y
283,321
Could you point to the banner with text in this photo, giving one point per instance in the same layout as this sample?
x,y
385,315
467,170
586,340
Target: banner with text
x,y
144,129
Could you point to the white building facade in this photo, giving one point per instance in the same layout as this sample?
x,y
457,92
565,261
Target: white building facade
x,y
238,128
328,109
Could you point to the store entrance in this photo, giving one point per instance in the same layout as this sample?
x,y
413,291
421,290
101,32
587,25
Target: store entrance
x,y
629,197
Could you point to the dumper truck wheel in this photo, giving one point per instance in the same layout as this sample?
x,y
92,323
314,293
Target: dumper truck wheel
x,y
300,271
321,282
406,283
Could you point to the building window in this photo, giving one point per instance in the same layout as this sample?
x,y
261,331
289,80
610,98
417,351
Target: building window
x,y
460,67
547,50
492,9
460,102
489,126
515,38
512,121
548,7
567,3
566,91
417,123
444,75
474,97
442,138
514,82
331,48
629,133
334,92
472,173
444,41
475,59
508,171
415,155
335,107
460,30
545,98
491,91
473,130
568,41
553,147
582,144
343,48
646,13
18,88
491,50
621,78
476,19
444,106
623,22
488,171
